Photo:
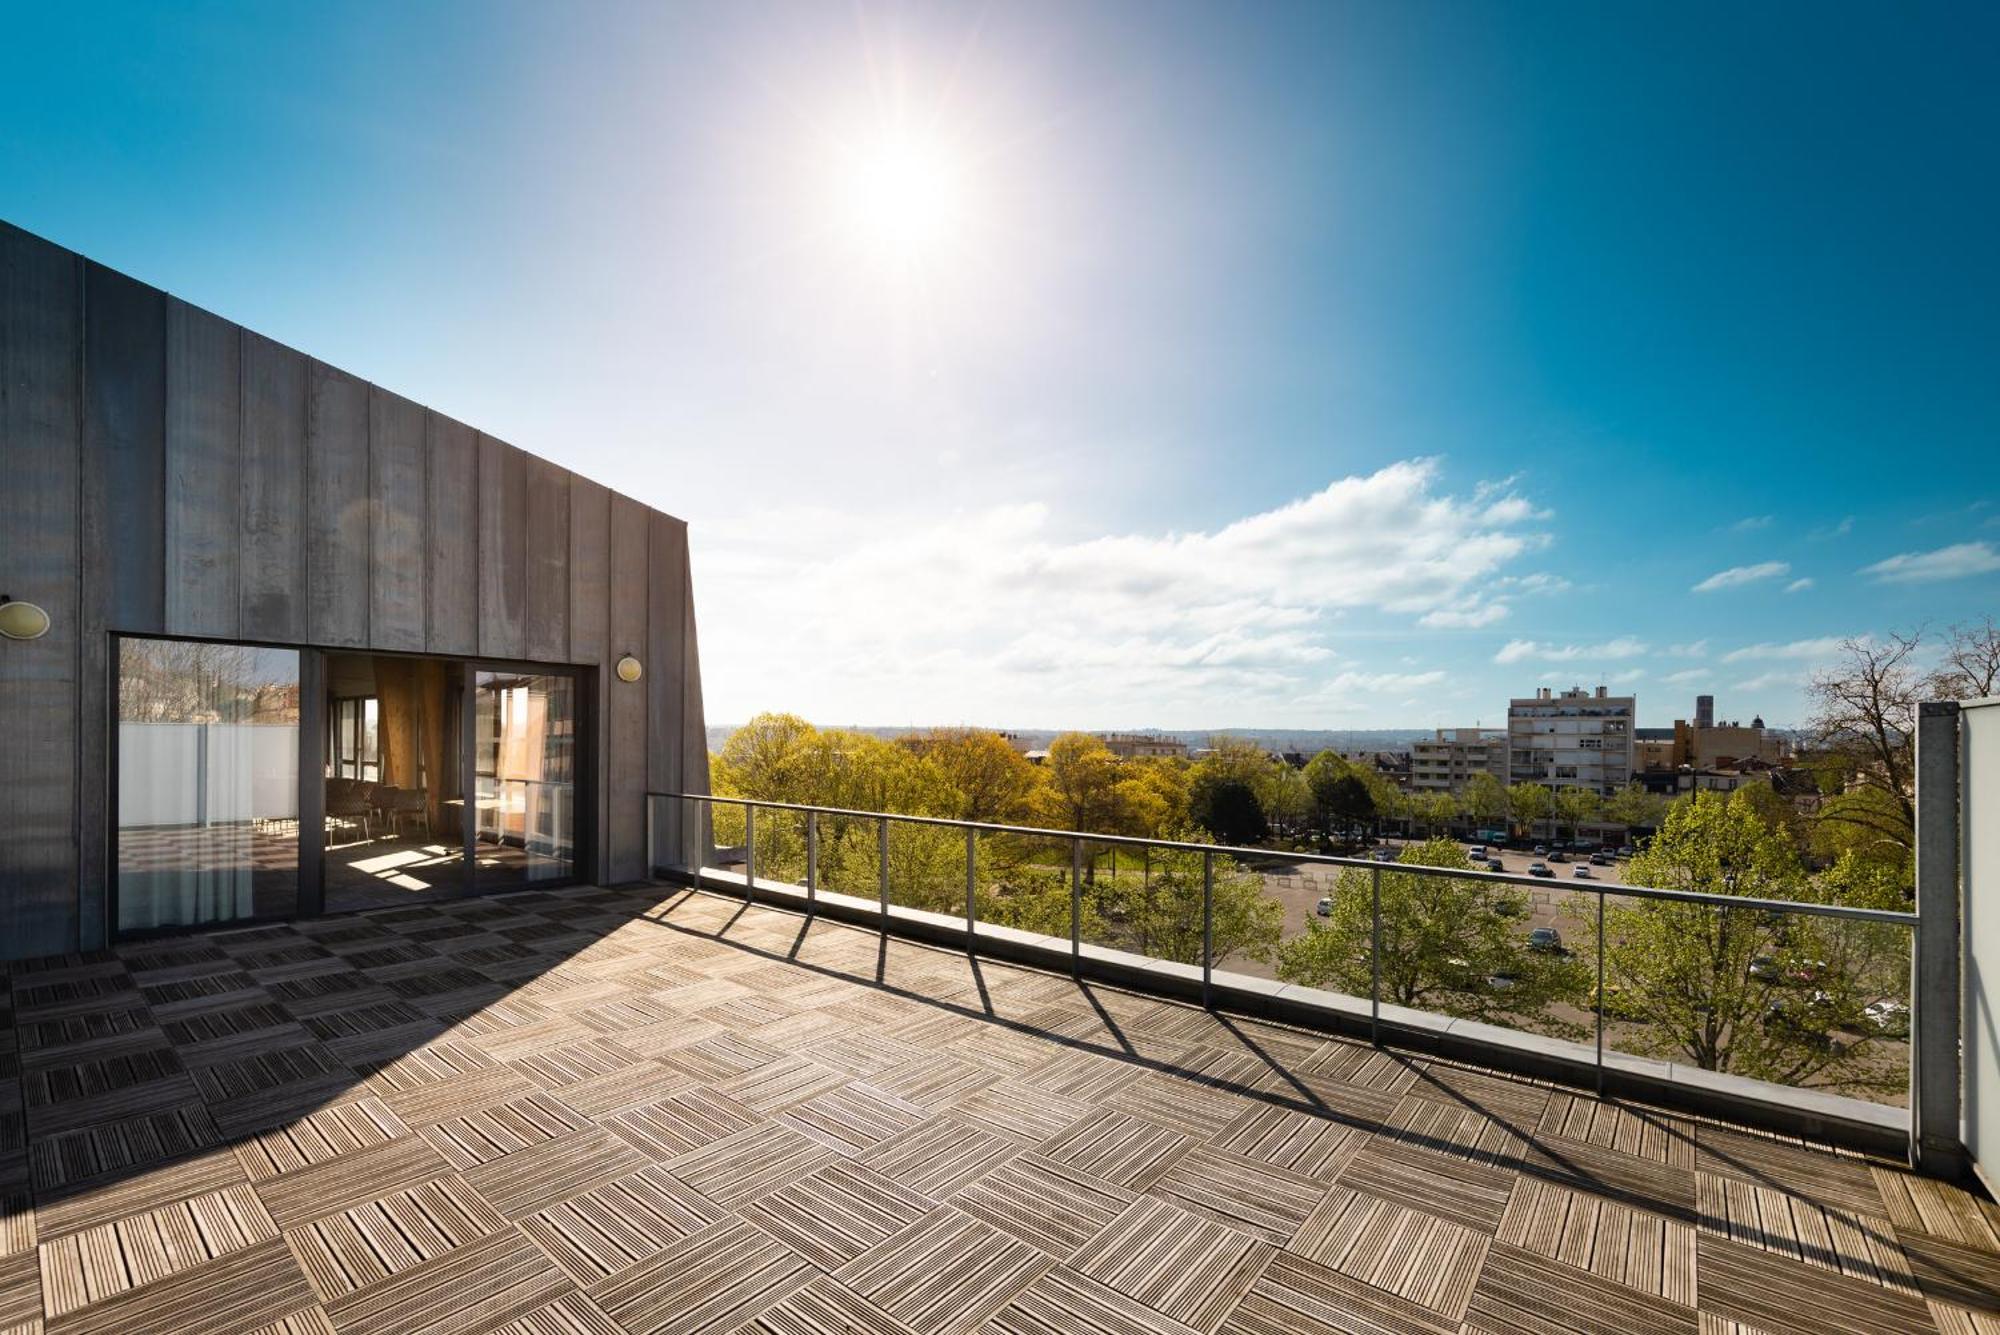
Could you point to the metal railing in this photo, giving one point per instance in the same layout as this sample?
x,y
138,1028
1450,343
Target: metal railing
x,y
1927,1045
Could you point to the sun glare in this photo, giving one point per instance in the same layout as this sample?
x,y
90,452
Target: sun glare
x,y
905,196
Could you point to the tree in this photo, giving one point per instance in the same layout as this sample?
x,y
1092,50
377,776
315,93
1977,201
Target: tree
x,y
1431,810
1153,791
1082,788
989,780
1160,913
1575,806
1449,944
1485,801
1530,803
1635,808
1342,801
1706,985
1971,666
1228,809
1863,726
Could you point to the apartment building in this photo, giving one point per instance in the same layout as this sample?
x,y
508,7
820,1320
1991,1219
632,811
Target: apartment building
x,y
1575,739
1444,762
1145,745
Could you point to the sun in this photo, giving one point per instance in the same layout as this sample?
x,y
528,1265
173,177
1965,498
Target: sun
x,y
905,195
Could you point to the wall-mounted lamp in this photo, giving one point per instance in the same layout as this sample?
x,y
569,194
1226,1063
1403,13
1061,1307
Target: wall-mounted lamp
x,y
22,621
629,669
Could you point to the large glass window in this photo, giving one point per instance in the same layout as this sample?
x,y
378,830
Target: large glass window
x,y
208,783
395,794
525,759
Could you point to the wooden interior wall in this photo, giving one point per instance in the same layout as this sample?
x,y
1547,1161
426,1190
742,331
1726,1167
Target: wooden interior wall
x,y
171,473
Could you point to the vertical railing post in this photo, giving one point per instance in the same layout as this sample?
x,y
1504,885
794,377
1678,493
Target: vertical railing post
x,y
652,804
1207,925
812,861
1075,905
1936,1149
1600,992
1375,955
971,883
749,847
882,868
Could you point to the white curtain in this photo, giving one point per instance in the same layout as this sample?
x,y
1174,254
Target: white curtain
x,y
207,780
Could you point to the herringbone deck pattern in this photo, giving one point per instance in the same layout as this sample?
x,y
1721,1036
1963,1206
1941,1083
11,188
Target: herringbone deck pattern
x,y
634,1112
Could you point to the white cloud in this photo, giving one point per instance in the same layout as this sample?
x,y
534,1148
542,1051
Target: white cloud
x,y
1799,585
1957,561
1470,614
1737,576
1840,530
994,616
1765,681
1692,649
1628,676
1751,523
1520,651
1687,676
1825,646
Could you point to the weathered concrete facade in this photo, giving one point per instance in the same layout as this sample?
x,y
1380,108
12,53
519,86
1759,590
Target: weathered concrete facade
x,y
166,472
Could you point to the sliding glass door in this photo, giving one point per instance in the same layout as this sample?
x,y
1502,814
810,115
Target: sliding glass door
x,y
525,766
208,783
258,782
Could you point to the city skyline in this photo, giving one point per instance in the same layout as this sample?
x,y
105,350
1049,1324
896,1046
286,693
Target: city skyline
x,y
1118,367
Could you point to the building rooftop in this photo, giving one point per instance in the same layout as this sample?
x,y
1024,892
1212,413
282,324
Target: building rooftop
x,y
653,1110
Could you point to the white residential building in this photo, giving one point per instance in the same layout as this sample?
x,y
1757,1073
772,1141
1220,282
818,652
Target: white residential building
x,y
1578,739
1443,763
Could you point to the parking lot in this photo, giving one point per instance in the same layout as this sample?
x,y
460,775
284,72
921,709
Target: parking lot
x,y
1299,886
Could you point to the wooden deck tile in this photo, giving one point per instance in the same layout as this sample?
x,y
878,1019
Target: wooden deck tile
x,y
944,1272
718,1279
356,1248
1641,1251
234,1295
1044,1203
607,1230
1416,1256
1249,1196
1520,1291
1294,1296
535,1178
1787,1297
1119,1148
466,1291
622,1112
1190,1269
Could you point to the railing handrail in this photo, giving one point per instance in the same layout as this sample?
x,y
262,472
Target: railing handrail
x,y
1590,885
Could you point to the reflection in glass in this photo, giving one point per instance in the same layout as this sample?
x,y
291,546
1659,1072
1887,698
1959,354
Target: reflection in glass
x,y
208,768
394,797
524,757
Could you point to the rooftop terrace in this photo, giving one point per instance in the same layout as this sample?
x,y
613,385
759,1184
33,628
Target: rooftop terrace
x,y
659,1109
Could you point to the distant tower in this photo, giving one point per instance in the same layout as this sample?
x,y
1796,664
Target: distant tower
x,y
1704,711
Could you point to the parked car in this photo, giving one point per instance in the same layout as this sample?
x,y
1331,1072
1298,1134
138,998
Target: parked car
x,y
1477,852
1324,908
1889,1018
1503,980
1495,864
1547,940
1764,969
1385,855
1558,856
1540,869
1805,973
1582,872
1600,860
1624,850
1541,850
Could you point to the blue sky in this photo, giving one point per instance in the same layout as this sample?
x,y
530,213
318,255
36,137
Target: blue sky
x,y
1322,365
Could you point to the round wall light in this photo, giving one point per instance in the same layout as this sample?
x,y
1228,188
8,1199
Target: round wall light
x,y
22,621
629,669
